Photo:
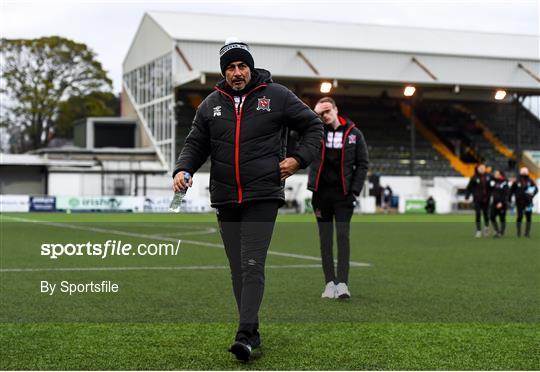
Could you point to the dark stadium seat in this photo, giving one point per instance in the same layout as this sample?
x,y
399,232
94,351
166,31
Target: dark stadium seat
x,y
500,118
388,137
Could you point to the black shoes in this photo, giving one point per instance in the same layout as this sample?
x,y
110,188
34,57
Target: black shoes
x,y
243,347
241,350
255,340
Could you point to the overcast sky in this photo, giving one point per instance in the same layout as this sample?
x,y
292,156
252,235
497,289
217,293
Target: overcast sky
x,y
108,27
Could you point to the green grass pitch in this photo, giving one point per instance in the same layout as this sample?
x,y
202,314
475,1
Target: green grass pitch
x,y
425,295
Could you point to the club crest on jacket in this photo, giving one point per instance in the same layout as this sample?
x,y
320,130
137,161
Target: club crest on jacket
x,y
217,111
263,104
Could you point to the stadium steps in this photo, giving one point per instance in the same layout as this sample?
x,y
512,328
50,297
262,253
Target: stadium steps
x,y
500,118
489,136
457,128
387,134
495,119
466,170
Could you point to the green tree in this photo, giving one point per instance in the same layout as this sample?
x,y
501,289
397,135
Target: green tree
x,y
37,75
79,107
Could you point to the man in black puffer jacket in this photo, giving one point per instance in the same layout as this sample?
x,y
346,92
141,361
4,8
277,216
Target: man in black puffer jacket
x,y
241,126
336,176
524,190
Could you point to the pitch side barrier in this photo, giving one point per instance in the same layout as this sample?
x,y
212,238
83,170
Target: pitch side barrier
x,y
68,204
410,194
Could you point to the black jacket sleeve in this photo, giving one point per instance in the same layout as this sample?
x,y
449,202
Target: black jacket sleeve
x,y
469,189
361,163
506,194
196,147
535,189
300,118
513,190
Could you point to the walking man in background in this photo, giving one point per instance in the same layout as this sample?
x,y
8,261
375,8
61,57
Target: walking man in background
x,y
524,190
479,187
336,176
241,126
499,202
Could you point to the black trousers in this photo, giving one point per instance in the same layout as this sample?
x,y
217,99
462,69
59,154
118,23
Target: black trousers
x,y
246,230
527,211
329,206
481,207
501,213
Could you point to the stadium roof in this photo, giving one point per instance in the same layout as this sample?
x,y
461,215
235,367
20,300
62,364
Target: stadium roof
x,y
273,31
66,163
35,160
314,50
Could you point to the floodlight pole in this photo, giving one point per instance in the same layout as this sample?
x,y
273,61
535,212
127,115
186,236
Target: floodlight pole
x,y
517,125
413,139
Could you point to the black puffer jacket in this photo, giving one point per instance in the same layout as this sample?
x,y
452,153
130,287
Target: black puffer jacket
x,y
354,161
246,144
500,192
524,189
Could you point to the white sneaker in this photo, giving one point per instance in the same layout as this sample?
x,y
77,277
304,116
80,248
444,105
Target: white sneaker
x,y
342,291
478,234
486,231
329,290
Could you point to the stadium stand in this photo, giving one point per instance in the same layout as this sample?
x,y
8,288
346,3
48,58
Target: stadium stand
x,y
459,130
387,134
500,118
460,127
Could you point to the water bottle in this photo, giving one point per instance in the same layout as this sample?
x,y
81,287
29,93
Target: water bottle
x,y
179,195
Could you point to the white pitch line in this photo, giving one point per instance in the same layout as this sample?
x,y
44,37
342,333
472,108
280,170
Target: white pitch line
x,y
169,239
180,234
146,268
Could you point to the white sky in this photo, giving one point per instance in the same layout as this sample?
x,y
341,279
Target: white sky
x,y
108,27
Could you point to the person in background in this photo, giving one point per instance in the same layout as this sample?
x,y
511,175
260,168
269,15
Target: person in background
x,y
479,188
499,202
336,177
430,205
524,189
387,195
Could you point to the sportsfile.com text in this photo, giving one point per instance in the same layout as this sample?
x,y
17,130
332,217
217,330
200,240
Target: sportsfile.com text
x,y
109,248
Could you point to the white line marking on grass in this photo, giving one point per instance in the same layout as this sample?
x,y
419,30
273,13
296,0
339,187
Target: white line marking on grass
x,y
147,268
181,234
169,239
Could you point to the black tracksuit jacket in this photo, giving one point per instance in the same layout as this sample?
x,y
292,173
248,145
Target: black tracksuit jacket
x,y
353,163
245,145
480,188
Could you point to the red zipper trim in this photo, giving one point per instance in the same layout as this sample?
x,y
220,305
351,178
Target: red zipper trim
x,y
237,137
320,166
343,159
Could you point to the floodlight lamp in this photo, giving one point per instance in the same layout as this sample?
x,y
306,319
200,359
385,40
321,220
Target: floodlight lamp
x,y
409,91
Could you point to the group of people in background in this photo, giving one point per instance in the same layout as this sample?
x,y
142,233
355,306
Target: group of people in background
x,y
493,195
